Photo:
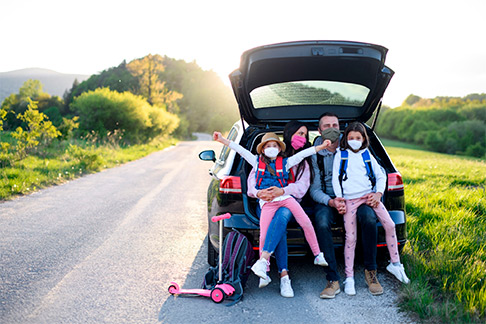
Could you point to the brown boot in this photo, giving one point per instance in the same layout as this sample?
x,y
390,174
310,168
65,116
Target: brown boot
x,y
373,285
331,290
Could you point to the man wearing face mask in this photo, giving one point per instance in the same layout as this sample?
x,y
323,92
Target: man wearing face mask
x,y
329,208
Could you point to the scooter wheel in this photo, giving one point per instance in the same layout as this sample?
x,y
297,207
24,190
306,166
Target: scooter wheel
x,y
172,289
217,295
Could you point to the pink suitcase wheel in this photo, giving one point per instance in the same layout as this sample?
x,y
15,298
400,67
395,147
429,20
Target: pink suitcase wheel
x,y
217,295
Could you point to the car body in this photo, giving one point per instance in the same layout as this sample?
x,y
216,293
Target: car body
x,y
299,81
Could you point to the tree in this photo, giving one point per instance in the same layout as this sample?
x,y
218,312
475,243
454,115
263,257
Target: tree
x,y
147,70
411,100
38,132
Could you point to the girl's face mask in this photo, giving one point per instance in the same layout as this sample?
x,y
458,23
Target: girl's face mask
x,y
271,152
298,142
355,144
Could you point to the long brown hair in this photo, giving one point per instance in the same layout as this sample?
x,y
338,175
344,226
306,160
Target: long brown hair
x,y
354,127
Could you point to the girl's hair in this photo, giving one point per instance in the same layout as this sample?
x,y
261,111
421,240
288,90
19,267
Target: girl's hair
x,y
289,130
354,127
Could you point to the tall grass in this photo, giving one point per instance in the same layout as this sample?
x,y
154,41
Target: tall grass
x,y
446,254
66,160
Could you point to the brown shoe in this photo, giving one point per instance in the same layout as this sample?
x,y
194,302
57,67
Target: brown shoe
x,y
331,290
373,285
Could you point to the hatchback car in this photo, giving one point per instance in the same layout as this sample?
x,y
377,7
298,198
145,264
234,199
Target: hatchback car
x,y
299,81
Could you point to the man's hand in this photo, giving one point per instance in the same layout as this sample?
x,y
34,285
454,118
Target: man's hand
x,y
339,204
373,199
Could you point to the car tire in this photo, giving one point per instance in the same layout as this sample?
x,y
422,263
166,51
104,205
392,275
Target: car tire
x,y
212,254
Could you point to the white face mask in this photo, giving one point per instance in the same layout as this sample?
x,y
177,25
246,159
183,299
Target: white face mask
x,y
271,152
355,144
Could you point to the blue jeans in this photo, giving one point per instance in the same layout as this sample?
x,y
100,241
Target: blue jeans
x,y
325,216
276,239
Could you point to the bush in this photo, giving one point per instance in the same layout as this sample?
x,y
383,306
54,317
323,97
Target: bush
x,y
103,111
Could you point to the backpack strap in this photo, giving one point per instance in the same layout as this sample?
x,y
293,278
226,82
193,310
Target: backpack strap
x,y
320,164
279,169
260,171
280,172
369,170
227,250
291,176
342,169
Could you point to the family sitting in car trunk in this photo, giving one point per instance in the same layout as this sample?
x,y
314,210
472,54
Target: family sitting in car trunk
x,y
344,180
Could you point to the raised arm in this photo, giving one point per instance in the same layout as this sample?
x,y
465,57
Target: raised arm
x,y
247,155
296,158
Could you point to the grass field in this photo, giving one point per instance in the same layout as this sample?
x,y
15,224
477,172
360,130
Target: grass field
x,y
446,254
68,160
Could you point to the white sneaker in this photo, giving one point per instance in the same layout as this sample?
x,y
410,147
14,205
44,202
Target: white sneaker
x,y
264,282
399,272
285,287
349,286
260,268
320,260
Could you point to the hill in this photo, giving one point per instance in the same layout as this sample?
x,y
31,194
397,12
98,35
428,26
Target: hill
x,y
54,83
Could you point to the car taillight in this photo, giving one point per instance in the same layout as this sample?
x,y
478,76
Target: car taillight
x,y
230,185
395,181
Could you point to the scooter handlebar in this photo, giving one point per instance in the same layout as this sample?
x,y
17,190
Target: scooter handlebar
x,y
216,219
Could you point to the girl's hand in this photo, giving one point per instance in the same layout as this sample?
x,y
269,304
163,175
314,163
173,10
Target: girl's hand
x,y
324,145
373,199
218,137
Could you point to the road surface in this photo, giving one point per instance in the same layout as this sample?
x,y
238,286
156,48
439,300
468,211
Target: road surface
x,y
104,248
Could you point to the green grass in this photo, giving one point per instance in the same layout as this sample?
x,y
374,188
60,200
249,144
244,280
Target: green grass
x,y
65,161
446,217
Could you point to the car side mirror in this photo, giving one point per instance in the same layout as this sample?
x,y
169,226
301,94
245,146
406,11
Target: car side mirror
x,y
208,155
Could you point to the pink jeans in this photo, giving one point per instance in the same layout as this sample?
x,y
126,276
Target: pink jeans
x,y
351,232
270,208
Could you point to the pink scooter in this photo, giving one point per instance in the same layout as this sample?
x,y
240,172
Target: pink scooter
x,y
221,290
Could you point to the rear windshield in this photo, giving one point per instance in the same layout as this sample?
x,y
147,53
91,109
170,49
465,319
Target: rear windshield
x,y
310,92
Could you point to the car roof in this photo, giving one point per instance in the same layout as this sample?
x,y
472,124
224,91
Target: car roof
x,y
302,80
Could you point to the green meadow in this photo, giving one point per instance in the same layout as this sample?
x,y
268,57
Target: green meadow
x,y
446,220
67,160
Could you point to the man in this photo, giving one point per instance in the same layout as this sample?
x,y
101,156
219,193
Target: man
x,y
329,207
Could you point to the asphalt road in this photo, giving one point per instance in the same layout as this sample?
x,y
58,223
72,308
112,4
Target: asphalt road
x,y
104,248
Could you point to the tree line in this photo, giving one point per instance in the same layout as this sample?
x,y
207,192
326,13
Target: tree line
x,y
138,101
450,125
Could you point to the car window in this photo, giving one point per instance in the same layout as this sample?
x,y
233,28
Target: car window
x,y
310,92
226,150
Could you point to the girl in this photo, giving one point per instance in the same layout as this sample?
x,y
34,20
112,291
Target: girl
x,y
354,184
269,151
296,139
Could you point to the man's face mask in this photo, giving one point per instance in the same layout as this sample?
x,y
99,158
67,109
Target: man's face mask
x,y
331,134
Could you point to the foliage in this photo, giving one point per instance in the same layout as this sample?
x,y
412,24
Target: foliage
x,y
148,70
115,78
15,104
446,220
38,133
208,103
444,124
103,111
67,160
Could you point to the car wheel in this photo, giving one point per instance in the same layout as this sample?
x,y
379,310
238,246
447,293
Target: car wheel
x,y
212,254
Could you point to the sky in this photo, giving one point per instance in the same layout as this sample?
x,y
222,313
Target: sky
x,y
436,48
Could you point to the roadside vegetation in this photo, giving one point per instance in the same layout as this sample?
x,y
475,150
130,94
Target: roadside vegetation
x,y
444,124
446,220
118,115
